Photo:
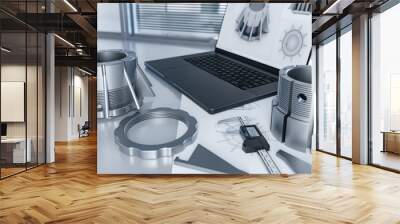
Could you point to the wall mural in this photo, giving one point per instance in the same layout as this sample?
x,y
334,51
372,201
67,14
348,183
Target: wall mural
x,y
170,108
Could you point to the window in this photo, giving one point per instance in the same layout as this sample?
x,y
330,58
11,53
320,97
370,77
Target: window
x,y
394,101
346,93
385,89
178,19
327,97
334,94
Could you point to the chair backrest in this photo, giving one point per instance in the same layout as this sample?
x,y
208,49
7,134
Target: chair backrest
x,y
86,125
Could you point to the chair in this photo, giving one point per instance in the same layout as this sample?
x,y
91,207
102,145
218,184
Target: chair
x,y
84,130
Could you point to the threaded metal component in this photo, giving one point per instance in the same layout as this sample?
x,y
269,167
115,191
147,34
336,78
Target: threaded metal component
x,y
117,98
116,83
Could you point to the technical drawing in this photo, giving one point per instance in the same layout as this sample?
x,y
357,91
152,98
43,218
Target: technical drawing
x,y
252,23
293,42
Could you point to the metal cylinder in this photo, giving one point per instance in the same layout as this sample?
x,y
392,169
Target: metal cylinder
x,y
292,118
295,91
116,83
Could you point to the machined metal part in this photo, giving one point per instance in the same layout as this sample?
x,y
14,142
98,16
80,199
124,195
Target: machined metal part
x,y
252,23
117,91
147,151
292,116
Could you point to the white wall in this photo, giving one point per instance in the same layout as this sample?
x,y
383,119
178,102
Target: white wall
x,y
67,114
80,83
61,103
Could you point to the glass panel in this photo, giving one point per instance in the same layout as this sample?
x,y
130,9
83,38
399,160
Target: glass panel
x,y
32,89
346,94
41,99
31,98
13,87
327,97
385,84
22,88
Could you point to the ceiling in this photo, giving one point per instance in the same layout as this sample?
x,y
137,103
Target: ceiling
x,y
332,15
75,22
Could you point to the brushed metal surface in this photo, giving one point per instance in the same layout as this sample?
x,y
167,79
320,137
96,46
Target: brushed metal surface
x,y
159,149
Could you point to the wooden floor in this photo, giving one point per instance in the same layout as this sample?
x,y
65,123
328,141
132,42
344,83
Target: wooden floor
x,y
5,172
70,191
387,159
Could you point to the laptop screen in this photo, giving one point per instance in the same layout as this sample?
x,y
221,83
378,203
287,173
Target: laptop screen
x,y
275,34
3,129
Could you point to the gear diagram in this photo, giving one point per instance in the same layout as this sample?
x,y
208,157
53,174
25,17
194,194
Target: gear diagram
x,y
252,23
293,42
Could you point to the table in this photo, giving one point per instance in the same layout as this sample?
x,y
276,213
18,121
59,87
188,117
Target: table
x,y
19,155
110,160
391,141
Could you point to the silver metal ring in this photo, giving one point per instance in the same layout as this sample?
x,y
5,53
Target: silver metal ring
x,y
167,149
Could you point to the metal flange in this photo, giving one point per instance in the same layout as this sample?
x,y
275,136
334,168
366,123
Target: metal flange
x,y
156,151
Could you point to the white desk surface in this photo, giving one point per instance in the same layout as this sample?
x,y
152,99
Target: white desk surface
x,y
20,152
13,140
110,160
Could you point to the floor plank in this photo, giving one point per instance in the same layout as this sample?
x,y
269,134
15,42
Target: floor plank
x,y
70,191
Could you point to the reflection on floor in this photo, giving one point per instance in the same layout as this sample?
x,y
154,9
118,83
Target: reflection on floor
x,y
387,159
70,191
11,169
346,152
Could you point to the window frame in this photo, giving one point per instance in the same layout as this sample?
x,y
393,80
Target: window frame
x,y
334,37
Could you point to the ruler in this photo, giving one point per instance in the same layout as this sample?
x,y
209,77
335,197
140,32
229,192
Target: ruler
x,y
269,162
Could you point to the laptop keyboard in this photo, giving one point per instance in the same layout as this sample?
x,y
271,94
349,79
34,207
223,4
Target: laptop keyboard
x,y
230,71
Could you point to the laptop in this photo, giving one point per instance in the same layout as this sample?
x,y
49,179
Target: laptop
x,y
255,41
